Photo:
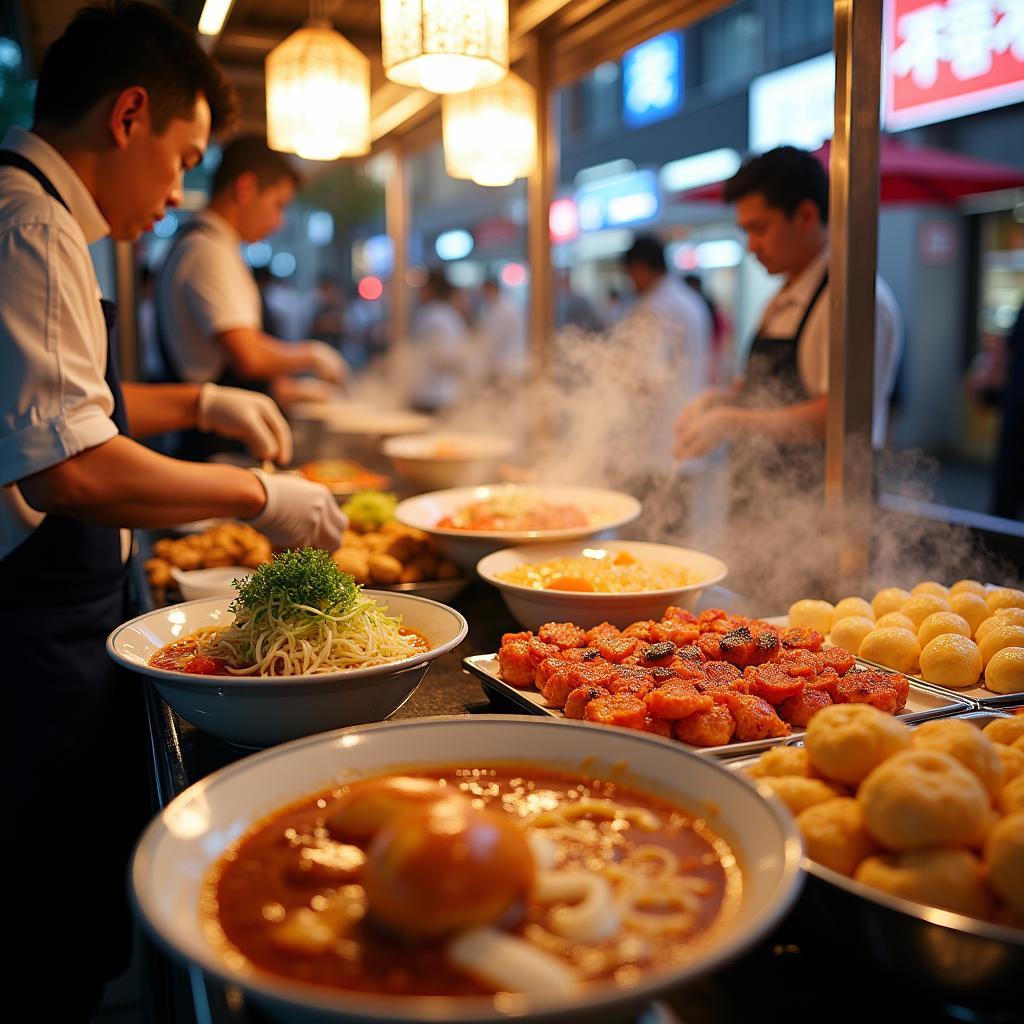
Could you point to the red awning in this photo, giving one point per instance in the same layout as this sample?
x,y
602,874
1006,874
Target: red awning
x,y
914,174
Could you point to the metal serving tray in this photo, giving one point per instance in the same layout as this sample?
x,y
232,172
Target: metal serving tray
x,y
977,695
923,702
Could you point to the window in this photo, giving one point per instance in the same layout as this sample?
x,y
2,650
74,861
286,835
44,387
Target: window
x,y
803,24
731,46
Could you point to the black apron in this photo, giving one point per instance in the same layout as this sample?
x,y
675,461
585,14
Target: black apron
x,y
194,444
78,725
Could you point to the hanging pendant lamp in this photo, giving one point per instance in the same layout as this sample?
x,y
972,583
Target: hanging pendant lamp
x,y
489,135
318,94
445,46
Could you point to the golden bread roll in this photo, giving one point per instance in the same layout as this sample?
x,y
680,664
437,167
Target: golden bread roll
x,y
1012,761
1005,597
950,879
1014,616
1011,796
975,587
889,599
798,792
896,620
845,742
920,606
1005,730
781,761
930,587
922,798
951,660
852,606
1004,858
970,607
1005,671
942,622
998,638
896,648
834,834
968,744
849,632
809,614
983,627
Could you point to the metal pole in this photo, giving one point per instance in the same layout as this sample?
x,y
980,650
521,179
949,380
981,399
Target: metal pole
x,y
127,319
397,216
853,213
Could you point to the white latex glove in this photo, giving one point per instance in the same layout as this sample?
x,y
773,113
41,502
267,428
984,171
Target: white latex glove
x,y
327,363
246,416
299,513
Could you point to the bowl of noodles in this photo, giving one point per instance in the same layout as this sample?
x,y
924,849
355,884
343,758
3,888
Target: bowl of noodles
x,y
300,650
590,582
448,870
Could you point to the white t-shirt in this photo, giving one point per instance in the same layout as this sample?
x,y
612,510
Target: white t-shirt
x,y
202,290
782,319
54,401
440,349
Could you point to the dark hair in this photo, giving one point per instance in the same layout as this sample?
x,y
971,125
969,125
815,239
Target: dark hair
x,y
114,45
250,154
785,177
438,284
649,251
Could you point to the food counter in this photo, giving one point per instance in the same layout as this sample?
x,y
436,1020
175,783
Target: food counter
x,y
801,965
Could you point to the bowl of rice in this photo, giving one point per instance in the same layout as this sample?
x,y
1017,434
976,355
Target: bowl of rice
x,y
589,582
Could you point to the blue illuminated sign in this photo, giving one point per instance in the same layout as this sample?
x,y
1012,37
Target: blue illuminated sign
x,y
619,201
652,80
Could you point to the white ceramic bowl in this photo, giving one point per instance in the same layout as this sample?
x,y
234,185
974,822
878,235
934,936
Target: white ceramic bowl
x,y
532,608
606,510
362,421
258,711
194,584
435,461
180,846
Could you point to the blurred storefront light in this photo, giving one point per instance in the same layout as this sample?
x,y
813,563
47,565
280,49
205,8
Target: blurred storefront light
x,y
444,46
794,106
258,254
702,169
370,288
563,221
282,264
618,202
652,80
489,135
454,245
320,228
318,95
215,13
513,275
166,227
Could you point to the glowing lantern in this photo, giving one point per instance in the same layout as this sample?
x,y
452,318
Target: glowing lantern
x,y
445,45
490,134
318,95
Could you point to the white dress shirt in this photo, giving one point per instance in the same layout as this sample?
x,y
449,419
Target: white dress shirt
x,y
782,318
206,289
54,401
503,340
439,351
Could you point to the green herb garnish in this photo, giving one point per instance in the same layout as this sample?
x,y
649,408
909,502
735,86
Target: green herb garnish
x,y
308,577
370,510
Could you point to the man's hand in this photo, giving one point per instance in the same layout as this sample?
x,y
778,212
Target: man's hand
x,y
704,432
299,513
326,363
246,416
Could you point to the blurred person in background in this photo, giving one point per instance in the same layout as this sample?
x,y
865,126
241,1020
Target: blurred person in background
x,y
573,309
440,349
209,312
718,369
502,336
125,104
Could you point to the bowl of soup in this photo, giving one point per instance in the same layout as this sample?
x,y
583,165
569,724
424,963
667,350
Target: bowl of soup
x,y
434,461
465,870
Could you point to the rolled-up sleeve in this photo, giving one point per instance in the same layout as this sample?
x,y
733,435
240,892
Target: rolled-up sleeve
x,y
54,401
216,295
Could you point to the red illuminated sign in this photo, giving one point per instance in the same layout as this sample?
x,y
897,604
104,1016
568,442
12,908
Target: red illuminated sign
x,y
947,58
563,221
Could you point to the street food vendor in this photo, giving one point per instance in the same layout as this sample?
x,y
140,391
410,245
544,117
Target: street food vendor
x,y
125,103
209,322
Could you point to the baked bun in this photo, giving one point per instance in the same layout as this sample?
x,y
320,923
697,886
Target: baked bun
x,y
896,620
1011,796
930,587
892,647
889,599
998,638
969,745
920,606
781,761
852,606
942,622
1005,671
1012,761
1014,616
798,792
809,614
1005,597
845,742
970,607
850,631
834,834
1005,730
951,660
922,798
975,587
950,879
1004,858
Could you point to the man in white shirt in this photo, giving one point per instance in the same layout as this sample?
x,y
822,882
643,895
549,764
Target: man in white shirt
x,y
440,348
125,103
208,308
504,354
781,202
